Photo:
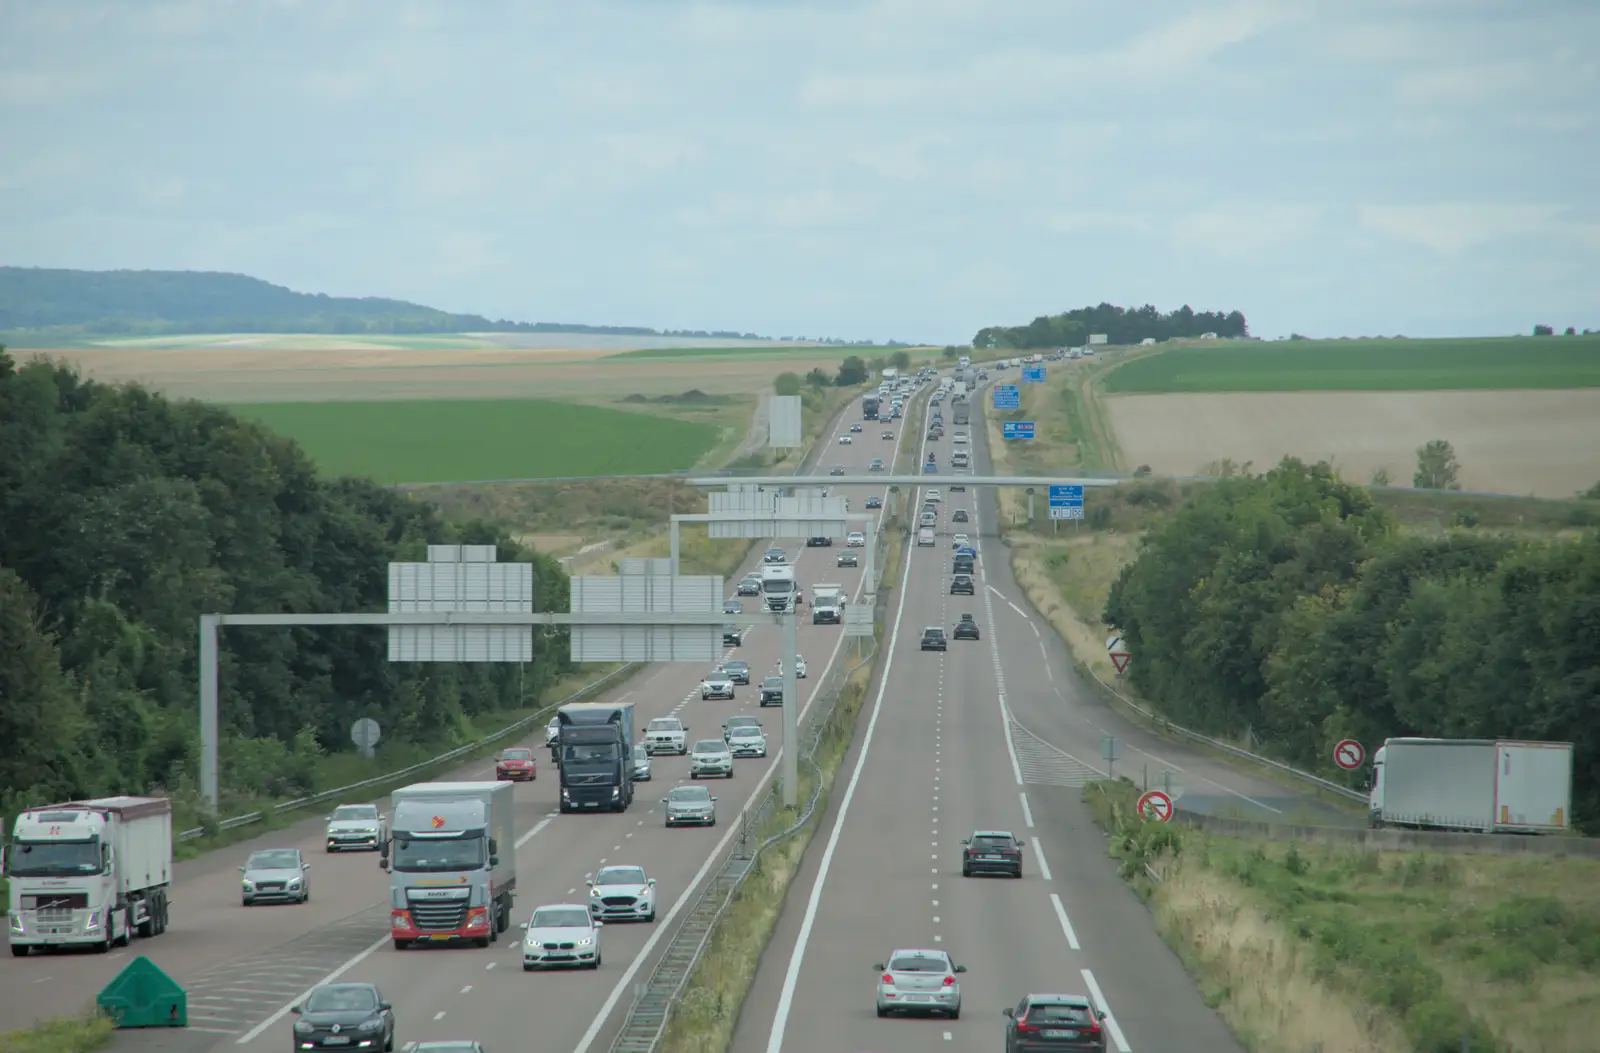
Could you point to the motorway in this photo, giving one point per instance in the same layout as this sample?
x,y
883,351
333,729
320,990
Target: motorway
x,y
995,734
244,967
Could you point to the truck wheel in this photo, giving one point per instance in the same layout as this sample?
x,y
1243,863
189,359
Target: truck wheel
x,y
400,945
482,941
20,950
147,927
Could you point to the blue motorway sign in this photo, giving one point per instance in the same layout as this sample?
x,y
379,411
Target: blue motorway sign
x,y
1007,397
1017,429
1064,495
1034,374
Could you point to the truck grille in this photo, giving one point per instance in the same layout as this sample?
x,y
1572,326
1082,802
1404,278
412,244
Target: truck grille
x,y
440,917
56,904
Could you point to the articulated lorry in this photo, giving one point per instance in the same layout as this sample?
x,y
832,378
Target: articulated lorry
x,y
451,854
869,407
89,873
1482,785
779,589
594,748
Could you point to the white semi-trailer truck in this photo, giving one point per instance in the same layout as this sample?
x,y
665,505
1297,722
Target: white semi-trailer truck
x,y
1481,785
452,863
89,873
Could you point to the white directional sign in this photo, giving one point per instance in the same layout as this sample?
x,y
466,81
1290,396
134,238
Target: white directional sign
x,y
858,619
640,593
1349,754
460,578
1155,806
783,422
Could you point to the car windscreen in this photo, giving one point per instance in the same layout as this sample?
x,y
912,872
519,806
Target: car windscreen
x,y
736,667
710,746
517,754
621,876
993,844
356,811
560,918
690,793
1058,1014
773,682
278,859
325,999
666,724
917,965
736,723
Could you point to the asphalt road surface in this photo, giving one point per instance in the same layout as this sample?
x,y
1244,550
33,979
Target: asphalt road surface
x,y
994,734
243,967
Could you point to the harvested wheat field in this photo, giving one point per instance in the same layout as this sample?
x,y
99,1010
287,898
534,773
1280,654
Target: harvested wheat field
x,y
254,374
1540,443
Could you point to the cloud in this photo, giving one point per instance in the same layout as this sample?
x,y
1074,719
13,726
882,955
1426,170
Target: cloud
x,y
1451,228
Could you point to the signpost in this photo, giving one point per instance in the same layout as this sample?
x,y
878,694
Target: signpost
x,y
1349,754
1110,752
1155,806
1016,429
1119,654
1007,397
1033,374
365,734
1066,501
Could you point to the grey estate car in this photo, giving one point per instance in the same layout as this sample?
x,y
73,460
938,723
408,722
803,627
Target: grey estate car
x,y
690,805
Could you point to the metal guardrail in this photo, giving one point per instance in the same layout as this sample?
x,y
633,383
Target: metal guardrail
x,y
656,999
422,766
1226,747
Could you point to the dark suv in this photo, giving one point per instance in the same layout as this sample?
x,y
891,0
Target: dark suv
x,y
772,691
819,542
1058,1023
966,628
961,585
737,670
933,639
961,565
991,852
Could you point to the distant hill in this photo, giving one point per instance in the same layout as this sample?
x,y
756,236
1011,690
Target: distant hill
x,y
90,304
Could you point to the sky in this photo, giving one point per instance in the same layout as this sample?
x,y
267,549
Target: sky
x,y
902,169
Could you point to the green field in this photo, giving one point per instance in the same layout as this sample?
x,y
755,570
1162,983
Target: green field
x,y
1365,365
445,440
763,352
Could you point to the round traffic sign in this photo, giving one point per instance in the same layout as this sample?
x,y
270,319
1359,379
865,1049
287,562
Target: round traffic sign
x,y
365,733
1349,754
1155,805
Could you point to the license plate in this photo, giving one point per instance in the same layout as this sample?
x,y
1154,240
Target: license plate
x,y
1057,1033
439,938
919,998
336,1040
996,858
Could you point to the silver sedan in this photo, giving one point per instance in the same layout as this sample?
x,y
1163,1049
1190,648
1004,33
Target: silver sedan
x,y
919,981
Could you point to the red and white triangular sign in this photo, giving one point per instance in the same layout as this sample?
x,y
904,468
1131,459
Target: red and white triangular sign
x,y
1120,660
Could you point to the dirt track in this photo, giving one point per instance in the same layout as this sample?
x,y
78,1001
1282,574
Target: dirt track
x,y
1544,443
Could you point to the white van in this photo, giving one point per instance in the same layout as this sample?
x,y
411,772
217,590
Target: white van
x,y
925,538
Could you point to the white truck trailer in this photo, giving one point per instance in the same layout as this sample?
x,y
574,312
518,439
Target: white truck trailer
x,y
1482,785
89,873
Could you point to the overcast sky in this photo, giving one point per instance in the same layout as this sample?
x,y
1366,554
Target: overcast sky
x,y
910,169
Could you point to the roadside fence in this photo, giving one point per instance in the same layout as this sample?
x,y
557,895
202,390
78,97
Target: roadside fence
x,y
416,769
1163,724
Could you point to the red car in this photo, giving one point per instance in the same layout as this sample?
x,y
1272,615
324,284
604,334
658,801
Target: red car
x,y
516,765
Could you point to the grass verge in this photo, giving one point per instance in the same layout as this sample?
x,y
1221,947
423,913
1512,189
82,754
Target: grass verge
x,y
82,1034
704,1021
1346,949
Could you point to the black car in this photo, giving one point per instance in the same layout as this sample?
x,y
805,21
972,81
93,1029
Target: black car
x,y
772,691
819,542
732,606
961,565
991,852
966,628
960,515
1055,1023
837,469
339,1016
961,585
848,559
732,635
749,587
874,502
933,639
888,435
738,670
958,488
775,555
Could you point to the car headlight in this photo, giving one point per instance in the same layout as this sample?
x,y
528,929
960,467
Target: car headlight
x,y
249,886
586,941
330,828
371,1025
594,892
534,943
303,1027
370,830
294,882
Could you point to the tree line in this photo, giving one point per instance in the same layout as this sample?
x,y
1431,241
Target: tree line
x,y
126,516
1120,325
852,372
155,303
1290,605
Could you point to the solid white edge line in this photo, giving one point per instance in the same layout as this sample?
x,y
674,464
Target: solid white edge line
x,y
1027,813
625,982
1044,867
1011,749
1066,925
1111,1018
791,976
